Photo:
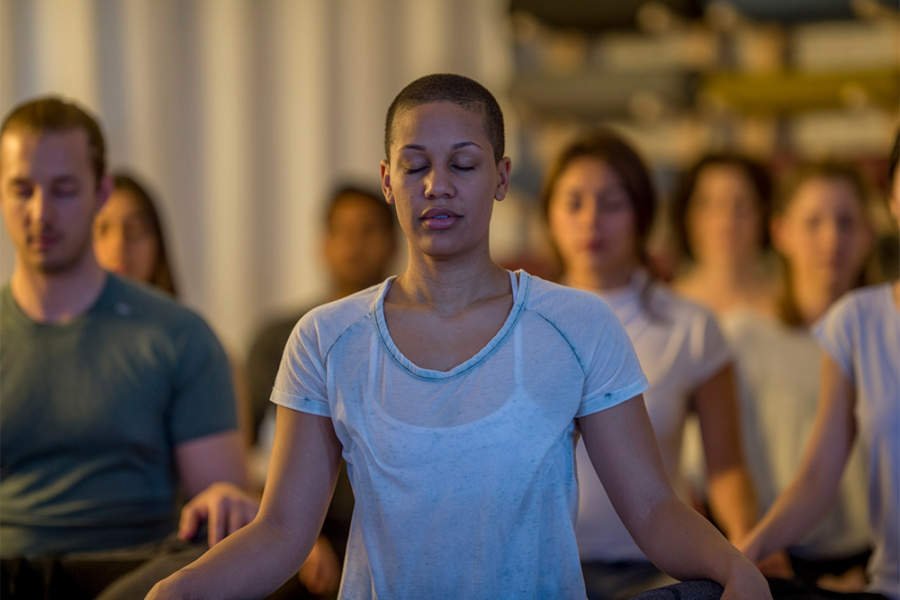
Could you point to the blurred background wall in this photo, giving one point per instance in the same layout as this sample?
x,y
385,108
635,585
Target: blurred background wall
x,y
243,114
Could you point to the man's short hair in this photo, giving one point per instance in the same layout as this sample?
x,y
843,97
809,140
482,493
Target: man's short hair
x,y
347,192
457,89
53,114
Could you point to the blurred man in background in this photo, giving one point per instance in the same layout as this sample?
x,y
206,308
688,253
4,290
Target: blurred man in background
x,y
114,397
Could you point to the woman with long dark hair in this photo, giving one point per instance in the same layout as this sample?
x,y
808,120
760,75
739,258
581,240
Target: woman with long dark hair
x,y
859,401
600,203
721,208
129,238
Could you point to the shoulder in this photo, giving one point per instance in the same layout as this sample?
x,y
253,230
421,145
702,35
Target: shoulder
x,y
325,324
584,320
871,300
565,307
673,305
149,307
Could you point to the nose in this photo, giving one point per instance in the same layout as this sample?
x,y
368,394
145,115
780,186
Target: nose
x,y
592,213
438,183
831,235
42,208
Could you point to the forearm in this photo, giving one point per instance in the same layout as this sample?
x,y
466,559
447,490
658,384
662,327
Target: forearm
x,y
686,546
794,513
733,501
269,552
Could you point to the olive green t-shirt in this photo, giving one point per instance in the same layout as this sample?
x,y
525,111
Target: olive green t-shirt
x,y
90,414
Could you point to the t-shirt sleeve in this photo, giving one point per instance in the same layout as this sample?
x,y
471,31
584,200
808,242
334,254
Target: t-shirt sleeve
x,y
834,333
301,381
203,399
612,371
710,352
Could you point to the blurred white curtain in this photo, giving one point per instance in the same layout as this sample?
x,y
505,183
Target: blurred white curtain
x,y
242,115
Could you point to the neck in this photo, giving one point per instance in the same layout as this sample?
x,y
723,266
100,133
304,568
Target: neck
x,y
592,279
57,297
728,274
814,297
451,284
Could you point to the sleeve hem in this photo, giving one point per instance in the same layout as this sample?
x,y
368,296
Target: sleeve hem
x,y
307,405
604,401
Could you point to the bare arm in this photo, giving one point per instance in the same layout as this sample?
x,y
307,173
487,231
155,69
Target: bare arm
x,y
210,459
812,493
260,557
623,449
731,494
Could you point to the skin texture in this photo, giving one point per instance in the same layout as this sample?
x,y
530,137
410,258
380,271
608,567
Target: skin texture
x,y
441,158
592,223
723,226
123,239
50,196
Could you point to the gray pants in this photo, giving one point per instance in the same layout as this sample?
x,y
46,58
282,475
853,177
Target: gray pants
x,y
112,575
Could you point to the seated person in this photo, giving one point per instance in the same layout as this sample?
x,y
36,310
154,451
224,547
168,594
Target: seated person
x,y
114,396
358,247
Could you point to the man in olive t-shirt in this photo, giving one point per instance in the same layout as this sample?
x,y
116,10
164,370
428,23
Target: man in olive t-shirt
x,y
112,396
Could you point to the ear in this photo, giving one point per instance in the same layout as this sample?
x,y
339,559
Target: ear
x,y
104,190
503,170
386,188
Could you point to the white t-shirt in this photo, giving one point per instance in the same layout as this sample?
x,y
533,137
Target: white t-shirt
x,y
680,346
778,379
861,333
464,480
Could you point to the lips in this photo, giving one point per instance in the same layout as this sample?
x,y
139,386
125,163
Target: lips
x,y
44,241
440,218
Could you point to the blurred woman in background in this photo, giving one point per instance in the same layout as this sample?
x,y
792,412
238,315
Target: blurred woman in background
x,y
721,210
600,203
859,399
822,231
128,236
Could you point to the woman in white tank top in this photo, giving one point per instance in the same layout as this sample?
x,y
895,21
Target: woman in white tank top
x,y
600,203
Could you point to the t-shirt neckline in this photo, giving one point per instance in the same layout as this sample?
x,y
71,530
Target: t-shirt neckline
x,y
520,296
102,300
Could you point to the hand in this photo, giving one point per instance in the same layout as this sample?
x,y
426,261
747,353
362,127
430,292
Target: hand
x,y
224,506
776,565
747,583
321,573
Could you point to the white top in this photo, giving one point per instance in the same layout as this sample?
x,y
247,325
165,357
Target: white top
x,y
861,333
778,379
465,479
680,346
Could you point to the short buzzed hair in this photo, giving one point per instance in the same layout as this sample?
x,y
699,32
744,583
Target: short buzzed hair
x,y
456,89
52,113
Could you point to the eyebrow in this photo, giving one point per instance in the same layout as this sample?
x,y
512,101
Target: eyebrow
x,y
455,146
